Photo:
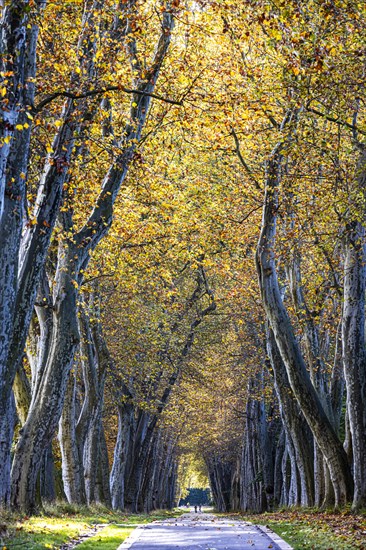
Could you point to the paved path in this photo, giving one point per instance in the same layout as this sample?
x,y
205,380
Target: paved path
x,y
202,532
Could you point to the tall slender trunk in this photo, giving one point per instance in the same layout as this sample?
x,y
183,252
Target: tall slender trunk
x,y
7,422
354,344
257,466
220,472
102,489
278,477
288,346
47,402
71,451
295,425
14,43
94,380
121,450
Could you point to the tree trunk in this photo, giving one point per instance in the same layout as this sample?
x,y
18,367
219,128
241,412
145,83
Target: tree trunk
x,y
7,422
47,476
121,450
47,402
94,381
354,356
353,338
288,346
255,475
102,490
71,453
296,428
278,477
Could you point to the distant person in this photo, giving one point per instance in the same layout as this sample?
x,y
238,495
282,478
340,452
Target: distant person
x,y
200,508
187,505
195,508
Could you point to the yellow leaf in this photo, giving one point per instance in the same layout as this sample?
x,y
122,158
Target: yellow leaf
x,y
7,139
19,127
49,149
3,91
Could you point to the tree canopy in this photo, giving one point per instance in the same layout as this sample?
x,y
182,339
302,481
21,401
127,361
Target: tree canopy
x,y
182,252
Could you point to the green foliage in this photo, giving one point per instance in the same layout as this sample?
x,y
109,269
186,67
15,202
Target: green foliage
x,y
196,496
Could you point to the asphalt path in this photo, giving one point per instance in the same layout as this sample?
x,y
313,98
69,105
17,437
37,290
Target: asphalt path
x,y
202,532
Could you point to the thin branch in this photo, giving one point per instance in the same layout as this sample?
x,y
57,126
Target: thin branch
x,y
337,120
244,164
242,220
91,93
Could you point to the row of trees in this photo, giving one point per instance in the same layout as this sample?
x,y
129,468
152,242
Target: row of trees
x,y
144,340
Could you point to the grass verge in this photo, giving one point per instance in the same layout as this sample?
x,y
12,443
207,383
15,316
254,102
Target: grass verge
x,y
314,530
107,539
59,525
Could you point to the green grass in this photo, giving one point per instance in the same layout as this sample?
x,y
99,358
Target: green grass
x,y
308,537
312,529
62,523
108,539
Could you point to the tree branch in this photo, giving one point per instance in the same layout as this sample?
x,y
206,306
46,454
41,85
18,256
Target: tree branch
x,y
242,161
337,121
91,93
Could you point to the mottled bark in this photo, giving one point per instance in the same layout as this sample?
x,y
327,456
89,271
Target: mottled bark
x,y
71,453
139,453
278,477
14,42
353,339
17,63
94,380
102,489
7,422
47,401
256,461
295,425
159,484
121,451
288,346
47,476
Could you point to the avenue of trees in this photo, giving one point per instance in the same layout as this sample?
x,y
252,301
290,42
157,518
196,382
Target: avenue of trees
x,y
182,252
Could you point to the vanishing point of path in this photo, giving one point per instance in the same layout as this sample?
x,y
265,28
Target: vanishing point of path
x,y
202,532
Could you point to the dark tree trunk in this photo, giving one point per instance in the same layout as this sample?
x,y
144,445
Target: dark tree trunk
x,y
102,489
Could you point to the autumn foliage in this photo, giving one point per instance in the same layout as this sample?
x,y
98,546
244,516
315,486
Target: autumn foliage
x,y
182,253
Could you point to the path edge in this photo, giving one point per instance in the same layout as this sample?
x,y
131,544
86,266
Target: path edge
x,y
283,545
135,535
